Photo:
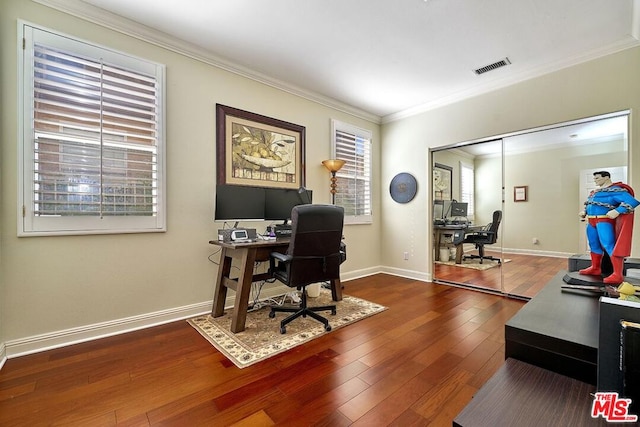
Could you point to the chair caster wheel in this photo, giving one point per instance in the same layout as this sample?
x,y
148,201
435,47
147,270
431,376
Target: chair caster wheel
x,y
272,314
333,312
283,330
327,328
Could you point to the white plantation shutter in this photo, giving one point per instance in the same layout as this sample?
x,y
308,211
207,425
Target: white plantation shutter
x,y
354,179
467,186
92,145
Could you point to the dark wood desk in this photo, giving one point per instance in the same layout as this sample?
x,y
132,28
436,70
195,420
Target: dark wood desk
x,y
446,229
247,254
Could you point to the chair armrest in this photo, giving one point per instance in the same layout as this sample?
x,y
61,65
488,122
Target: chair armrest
x,y
488,236
281,257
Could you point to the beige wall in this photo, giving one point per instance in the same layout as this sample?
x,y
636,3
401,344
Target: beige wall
x,y
52,284
597,87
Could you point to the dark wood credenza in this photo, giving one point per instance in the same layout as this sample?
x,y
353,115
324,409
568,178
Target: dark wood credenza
x,y
557,330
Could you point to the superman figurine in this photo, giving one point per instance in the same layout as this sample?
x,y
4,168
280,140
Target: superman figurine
x,y
609,212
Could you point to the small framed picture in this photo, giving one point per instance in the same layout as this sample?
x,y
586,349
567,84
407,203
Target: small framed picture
x,y
520,193
442,180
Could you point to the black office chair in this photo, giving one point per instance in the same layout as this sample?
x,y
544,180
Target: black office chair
x,y
313,256
487,236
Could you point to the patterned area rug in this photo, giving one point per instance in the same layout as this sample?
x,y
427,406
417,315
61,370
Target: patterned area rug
x,y
473,263
262,339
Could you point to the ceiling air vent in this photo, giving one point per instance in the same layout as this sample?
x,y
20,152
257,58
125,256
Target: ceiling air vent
x,y
502,63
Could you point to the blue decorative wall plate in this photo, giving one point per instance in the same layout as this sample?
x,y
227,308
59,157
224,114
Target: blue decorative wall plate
x,y
403,187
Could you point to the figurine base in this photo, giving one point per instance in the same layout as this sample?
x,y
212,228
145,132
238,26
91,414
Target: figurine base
x,y
575,278
585,284
593,285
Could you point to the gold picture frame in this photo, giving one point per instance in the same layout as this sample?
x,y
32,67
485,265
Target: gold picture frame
x,y
257,150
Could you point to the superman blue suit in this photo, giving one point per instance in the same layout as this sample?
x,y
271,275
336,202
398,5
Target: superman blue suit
x,y
610,235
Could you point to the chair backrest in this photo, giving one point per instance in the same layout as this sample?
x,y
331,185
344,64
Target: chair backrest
x,y
493,227
316,233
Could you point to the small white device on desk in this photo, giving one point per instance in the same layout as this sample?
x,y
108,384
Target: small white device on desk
x,y
240,236
237,235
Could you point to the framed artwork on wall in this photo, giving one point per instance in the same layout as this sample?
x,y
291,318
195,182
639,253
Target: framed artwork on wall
x,y
258,151
442,182
520,193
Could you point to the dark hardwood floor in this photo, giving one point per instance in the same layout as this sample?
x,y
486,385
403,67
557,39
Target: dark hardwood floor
x,y
521,275
417,363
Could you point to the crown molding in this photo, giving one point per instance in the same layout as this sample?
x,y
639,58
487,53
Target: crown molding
x,y
136,30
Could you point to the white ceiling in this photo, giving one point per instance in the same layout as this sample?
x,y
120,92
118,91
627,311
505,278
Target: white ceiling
x,y
381,58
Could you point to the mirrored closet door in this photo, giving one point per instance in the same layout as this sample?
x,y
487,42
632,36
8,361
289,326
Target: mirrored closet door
x,y
538,180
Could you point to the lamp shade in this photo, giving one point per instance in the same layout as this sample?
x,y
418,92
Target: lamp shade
x,y
333,165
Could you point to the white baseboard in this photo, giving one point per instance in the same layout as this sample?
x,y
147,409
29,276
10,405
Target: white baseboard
x,y
3,354
48,341
409,274
357,274
552,254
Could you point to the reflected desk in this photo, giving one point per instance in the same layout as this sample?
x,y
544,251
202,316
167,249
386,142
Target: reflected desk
x,y
442,230
247,254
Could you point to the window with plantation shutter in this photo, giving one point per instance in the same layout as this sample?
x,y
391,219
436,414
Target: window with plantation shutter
x,y
92,140
467,187
354,179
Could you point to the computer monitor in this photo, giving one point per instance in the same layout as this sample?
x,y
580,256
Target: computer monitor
x,y
438,209
279,202
239,203
459,209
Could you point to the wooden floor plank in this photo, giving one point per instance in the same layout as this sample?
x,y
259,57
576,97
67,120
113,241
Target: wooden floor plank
x,y
396,404
431,403
380,390
325,406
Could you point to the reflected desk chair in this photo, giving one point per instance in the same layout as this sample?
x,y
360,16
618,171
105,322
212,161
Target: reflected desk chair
x,y
314,255
487,236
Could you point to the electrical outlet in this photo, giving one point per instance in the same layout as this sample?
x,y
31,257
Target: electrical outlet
x,y
406,256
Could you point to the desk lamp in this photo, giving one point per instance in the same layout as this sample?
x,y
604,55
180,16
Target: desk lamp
x,y
333,166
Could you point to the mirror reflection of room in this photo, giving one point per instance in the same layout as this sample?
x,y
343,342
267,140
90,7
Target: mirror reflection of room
x,y
539,228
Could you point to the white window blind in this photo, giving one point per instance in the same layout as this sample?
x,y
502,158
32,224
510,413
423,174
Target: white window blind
x,y
93,143
467,186
353,145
